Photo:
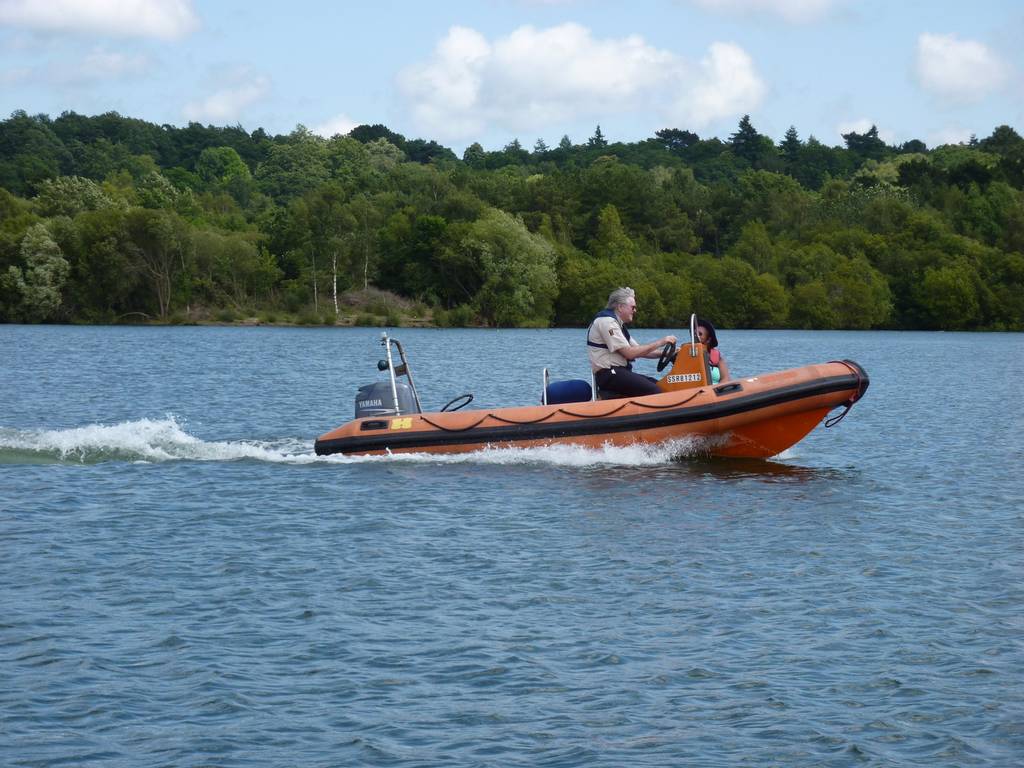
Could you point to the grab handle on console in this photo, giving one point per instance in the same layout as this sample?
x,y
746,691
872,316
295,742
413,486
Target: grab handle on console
x,y
725,389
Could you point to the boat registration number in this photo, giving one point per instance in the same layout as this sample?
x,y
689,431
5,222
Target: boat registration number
x,y
679,378
401,423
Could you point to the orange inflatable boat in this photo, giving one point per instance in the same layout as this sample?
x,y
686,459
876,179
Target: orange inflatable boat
x,y
754,417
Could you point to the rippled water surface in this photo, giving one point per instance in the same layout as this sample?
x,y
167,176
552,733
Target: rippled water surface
x,y
184,583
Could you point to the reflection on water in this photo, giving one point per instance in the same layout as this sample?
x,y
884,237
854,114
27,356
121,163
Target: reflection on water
x,y
769,470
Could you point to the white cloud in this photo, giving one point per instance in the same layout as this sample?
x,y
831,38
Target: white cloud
x,y
543,76
862,126
728,85
165,19
98,66
227,103
101,63
961,71
790,10
445,93
337,125
533,78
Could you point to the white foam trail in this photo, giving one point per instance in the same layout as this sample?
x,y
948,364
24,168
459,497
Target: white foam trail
x,y
638,455
159,440
145,440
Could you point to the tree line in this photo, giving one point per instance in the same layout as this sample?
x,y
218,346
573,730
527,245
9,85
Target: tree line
x,y
113,219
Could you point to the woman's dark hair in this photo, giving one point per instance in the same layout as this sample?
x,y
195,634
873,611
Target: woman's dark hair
x,y
712,336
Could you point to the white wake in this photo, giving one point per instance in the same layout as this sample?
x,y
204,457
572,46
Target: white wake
x,y
162,440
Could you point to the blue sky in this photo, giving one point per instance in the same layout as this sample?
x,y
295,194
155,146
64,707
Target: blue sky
x,y
495,70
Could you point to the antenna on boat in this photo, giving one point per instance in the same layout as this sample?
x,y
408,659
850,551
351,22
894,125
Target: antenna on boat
x,y
391,371
693,335
403,370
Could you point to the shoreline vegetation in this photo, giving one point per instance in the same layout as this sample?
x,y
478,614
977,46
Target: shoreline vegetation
x,y
371,308
110,219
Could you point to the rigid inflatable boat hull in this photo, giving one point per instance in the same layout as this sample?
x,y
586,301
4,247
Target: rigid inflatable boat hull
x,y
756,417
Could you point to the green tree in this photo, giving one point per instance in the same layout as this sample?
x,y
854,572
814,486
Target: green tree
x,y
859,295
234,266
790,146
424,152
1004,141
16,216
105,277
520,283
818,164
384,156
676,140
348,163
734,295
70,195
325,222
675,292
161,243
514,153
1004,272
866,145
948,296
775,199
30,152
362,221
584,286
913,147
294,168
810,308
747,144
219,165
799,264
611,241
755,247
475,155
769,303
154,191
368,134
39,283
642,203
412,247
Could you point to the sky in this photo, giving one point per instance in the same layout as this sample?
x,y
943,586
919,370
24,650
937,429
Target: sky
x,y
491,71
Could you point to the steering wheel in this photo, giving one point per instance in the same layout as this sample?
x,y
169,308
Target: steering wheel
x,y
668,355
466,398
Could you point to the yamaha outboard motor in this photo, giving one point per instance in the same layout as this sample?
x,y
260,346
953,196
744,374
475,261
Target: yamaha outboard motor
x,y
377,400
391,397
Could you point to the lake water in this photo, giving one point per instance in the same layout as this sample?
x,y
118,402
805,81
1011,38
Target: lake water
x,y
185,583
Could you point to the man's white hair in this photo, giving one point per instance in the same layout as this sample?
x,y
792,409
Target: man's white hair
x,y
619,296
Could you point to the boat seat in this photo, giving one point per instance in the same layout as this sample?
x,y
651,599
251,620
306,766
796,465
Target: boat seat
x,y
569,391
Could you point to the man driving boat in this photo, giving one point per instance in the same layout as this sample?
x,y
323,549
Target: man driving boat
x,y
612,350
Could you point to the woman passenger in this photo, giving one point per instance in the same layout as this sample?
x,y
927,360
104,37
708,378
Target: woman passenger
x,y
706,335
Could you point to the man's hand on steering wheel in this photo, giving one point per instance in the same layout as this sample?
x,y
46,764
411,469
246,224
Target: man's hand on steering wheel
x,y
668,355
